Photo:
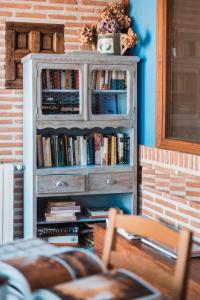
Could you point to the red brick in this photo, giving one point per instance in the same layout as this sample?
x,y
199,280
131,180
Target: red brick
x,y
6,122
30,15
15,5
5,137
5,106
5,14
153,207
195,224
11,129
190,213
5,152
47,7
63,1
62,17
146,212
176,216
165,203
10,145
10,160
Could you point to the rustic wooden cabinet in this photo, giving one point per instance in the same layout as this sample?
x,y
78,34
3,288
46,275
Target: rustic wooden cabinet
x,y
94,107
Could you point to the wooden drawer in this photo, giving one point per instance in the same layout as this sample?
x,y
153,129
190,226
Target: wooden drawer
x,y
56,184
111,182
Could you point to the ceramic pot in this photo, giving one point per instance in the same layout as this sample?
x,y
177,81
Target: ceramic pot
x,y
109,43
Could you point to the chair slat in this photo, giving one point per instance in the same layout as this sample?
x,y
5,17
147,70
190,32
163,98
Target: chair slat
x,y
149,229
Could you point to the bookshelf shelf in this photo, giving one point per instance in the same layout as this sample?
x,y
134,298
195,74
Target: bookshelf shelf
x,y
60,91
79,220
109,91
73,149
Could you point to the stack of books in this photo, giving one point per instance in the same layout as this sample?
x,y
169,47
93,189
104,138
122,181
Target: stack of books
x,y
61,211
92,149
109,80
60,79
97,212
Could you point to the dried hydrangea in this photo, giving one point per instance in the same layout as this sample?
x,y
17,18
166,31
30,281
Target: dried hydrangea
x,y
86,34
128,40
116,11
108,26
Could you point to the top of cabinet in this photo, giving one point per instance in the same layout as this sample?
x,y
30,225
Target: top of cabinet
x,y
81,57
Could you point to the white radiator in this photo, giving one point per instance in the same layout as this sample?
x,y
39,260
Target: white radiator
x,y
6,202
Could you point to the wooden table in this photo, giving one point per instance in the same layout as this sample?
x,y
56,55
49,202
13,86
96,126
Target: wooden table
x,y
143,250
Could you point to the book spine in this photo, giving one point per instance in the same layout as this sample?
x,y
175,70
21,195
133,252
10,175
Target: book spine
x,y
48,79
120,148
48,152
97,148
61,155
40,159
105,151
67,78
63,81
109,150
71,151
113,150
77,79
44,80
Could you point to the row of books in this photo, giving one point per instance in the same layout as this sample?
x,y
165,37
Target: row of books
x,y
60,79
91,149
109,80
60,103
109,104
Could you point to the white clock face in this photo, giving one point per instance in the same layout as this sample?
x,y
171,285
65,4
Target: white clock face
x,y
105,45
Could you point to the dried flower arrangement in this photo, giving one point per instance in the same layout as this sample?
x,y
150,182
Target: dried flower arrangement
x,y
113,21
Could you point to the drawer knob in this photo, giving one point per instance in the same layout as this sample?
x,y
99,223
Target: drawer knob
x,y
110,181
60,184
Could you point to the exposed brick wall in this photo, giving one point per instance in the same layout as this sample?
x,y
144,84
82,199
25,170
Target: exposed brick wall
x,y
170,187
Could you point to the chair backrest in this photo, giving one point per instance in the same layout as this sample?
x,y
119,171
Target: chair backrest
x,y
149,270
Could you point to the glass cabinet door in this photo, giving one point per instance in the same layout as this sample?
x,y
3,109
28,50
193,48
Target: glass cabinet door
x,y
110,93
60,92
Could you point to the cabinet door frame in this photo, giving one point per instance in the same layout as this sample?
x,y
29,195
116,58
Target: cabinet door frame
x,y
60,117
130,92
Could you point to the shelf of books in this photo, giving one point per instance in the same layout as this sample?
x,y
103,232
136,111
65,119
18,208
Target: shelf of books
x,y
93,149
60,91
80,147
109,92
67,222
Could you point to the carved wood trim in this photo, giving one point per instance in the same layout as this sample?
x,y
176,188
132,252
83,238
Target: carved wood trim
x,y
25,38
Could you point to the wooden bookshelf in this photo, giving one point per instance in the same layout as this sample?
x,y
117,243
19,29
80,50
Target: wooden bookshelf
x,y
49,83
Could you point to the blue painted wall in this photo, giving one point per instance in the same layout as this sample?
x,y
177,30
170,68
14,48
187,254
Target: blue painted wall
x,y
144,14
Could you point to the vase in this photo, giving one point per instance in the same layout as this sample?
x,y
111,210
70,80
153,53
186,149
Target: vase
x,y
109,43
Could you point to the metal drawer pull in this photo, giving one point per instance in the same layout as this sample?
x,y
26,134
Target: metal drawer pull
x,y
110,181
61,184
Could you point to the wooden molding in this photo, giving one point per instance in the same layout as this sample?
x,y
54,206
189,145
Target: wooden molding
x,y
163,85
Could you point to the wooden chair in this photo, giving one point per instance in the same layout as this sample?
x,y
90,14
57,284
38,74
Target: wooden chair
x,y
149,270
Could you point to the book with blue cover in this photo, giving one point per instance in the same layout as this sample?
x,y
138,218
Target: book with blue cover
x,y
107,104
